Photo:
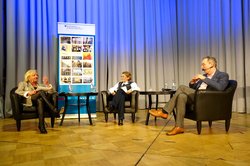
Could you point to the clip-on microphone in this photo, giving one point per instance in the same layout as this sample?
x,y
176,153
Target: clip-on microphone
x,y
207,68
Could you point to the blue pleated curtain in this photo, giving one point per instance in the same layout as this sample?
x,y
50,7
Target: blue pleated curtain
x,y
157,40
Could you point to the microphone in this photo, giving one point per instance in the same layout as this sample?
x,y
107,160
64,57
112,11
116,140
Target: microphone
x,y
207,68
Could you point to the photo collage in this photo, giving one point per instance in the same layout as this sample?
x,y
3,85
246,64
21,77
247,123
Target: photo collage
x,y
76,56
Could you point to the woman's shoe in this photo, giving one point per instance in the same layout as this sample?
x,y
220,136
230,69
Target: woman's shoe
x,y
42,129
54,110
120,122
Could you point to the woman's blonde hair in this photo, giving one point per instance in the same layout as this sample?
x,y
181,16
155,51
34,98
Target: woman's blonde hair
x,y
28,74
127,74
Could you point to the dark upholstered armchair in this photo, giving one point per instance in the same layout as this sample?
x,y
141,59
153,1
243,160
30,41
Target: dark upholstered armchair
x,y
21,112
212,105
130,106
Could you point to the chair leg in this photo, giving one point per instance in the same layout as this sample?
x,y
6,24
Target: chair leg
x,y
198,123
210,123
227,124
147,119
52,122
18,125
106,117
133,117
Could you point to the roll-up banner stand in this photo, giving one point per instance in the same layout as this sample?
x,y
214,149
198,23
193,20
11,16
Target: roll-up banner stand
x,y
76,65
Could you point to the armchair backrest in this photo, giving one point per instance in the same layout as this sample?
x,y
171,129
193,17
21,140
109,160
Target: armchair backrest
x,y
230,90
15,103
231,87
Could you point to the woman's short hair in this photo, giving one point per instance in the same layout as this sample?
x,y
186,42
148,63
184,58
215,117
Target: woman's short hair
x,y
29,73
127,74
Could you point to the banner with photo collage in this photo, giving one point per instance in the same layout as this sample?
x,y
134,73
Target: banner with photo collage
x,y
76,62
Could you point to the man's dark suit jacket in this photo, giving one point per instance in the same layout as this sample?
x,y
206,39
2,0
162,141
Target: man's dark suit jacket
x,y
219,81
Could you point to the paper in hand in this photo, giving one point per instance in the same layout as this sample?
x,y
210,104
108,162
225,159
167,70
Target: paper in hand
x,y
44,88
124,88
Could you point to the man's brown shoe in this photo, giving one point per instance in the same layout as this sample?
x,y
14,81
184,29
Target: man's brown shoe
x,y
158,113
176,130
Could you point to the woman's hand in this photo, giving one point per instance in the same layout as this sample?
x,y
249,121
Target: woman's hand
x,y
32,92
129,91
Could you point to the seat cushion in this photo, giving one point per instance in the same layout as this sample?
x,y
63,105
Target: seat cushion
x,y
29,109
127,104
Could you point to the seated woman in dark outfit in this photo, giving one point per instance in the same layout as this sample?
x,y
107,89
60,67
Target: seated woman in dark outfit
x,y
121,92
37,95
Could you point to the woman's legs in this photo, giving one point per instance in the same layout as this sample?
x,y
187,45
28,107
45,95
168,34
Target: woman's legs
x,y
40,106
40,99
48,103
118,103
41,94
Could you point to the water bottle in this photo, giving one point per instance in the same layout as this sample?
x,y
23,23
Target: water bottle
x,y
174,85
92,87
166,85
150,88
70,88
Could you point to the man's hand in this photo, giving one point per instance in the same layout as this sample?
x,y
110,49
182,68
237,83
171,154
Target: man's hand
x,y
196,78
200,77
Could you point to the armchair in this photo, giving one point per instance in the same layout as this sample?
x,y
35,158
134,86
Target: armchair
x,y
22,112
211,106
130,106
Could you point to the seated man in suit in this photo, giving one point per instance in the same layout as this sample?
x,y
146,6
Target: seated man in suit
x,y
121,92
37,95
213,79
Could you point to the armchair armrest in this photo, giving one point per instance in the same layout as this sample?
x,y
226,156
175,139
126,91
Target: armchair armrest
x,y
104,95
17,104
214,104
134,99
203,97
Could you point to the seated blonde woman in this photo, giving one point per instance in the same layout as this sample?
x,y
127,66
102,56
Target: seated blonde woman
x,y
37,95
